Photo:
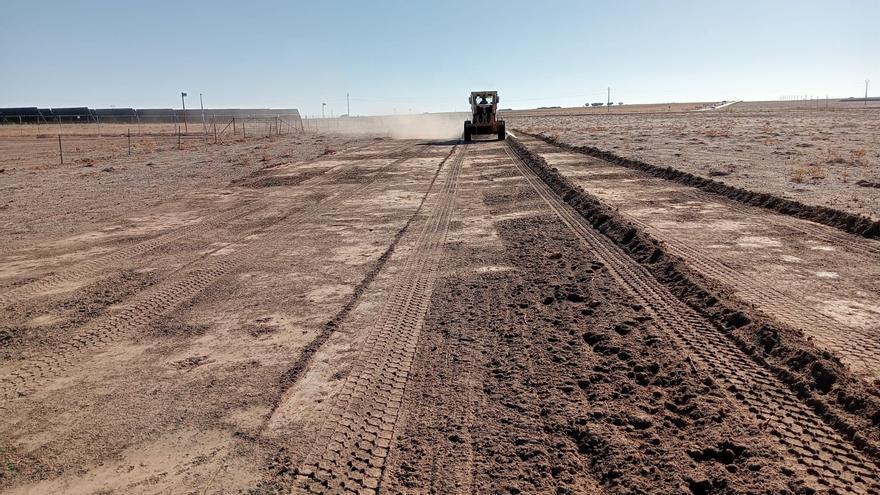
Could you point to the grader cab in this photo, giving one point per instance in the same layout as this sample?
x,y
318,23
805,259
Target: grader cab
x,y
484,118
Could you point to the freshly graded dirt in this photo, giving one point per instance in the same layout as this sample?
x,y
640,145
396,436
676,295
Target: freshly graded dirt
x,y
554,384
407,317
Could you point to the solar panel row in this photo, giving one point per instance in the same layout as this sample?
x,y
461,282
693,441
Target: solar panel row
x,y
33,115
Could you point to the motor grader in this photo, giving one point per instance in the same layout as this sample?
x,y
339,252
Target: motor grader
x,y
484,119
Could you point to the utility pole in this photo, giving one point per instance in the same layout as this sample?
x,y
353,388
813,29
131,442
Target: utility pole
x,y
183,102
204,124
347,105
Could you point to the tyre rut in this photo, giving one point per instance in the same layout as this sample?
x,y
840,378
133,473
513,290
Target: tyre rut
x,y
845,221
180,286
298,368
822,456
102,264
857,347
355,439
818,231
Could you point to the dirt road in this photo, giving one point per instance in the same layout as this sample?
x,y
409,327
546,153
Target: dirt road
x,y
407,317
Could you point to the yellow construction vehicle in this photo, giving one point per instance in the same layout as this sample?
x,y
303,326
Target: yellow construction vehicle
x,y
484,107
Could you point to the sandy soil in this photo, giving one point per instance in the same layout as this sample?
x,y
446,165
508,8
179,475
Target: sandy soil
x,y
816,156
321,314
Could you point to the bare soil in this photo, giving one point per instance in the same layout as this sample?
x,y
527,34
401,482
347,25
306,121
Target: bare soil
x,y
322,314
824,157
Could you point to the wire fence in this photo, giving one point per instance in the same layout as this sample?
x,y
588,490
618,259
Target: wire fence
x,y
80,137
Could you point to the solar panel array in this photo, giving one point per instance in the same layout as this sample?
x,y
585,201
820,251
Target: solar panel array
x,y
34,115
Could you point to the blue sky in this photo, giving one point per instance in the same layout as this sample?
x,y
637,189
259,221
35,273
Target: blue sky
x,y
427,56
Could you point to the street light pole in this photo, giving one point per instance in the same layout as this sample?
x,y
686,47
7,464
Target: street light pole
x,y
183,102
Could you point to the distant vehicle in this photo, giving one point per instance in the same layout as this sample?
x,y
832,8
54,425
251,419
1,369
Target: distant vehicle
x,y
620,103
484,110
596,104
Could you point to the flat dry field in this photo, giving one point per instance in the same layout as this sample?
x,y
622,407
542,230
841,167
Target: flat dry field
x,y
330,314
826,157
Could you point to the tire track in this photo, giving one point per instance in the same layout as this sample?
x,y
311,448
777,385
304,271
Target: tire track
x,y
178,287
818,231
345,151
96,266
295,372
857,347
818,453
809,228
355,439
101,264
847,222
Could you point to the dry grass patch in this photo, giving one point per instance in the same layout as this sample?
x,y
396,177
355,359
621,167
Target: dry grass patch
x,y
715,133
858,157
813,173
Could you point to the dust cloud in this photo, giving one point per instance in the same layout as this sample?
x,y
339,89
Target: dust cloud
x,y
421,126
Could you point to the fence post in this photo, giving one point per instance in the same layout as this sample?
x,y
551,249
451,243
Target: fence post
x,y
60,151
178,138
215,132
243,135
129,141
233,126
